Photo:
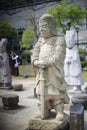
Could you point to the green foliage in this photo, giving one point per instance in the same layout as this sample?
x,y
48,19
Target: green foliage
x,y
28,38
6,30
82,53
82,50
84,64
26,54
24,62
67,15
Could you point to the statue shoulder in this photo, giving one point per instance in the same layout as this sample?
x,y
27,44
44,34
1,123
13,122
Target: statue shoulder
x,y
38,43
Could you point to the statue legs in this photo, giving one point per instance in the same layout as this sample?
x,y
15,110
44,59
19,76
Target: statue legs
x,y
60,111
53,103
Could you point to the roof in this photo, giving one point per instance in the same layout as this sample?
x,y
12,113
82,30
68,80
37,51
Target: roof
x,y
15,4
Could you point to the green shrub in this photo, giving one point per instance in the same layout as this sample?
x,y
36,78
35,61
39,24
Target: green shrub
x,y
7,30
84,64
82,53
28,38
26,54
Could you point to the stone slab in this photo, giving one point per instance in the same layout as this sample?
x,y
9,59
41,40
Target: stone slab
x,y
49,124
80,98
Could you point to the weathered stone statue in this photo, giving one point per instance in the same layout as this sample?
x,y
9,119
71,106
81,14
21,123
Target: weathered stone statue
x,y
5,74
48,56
72,65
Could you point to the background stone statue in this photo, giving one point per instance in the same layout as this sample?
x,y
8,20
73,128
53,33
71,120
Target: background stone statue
x,y
72,65
5,73
49,54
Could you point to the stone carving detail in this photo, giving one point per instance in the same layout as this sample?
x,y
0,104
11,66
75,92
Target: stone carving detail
x,y
5,74
72,65
48,57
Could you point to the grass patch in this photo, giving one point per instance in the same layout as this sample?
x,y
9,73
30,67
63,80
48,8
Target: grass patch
x,y
84,74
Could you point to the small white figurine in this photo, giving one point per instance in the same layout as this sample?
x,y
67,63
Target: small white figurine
x,y
72,65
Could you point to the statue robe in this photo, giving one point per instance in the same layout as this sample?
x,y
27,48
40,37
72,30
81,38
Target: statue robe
x,y
73,70
52,51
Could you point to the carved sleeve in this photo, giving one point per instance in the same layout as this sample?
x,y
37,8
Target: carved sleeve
x,y
36,51
60,50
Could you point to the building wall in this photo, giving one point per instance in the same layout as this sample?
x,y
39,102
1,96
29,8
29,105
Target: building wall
x,y
83,3
20,18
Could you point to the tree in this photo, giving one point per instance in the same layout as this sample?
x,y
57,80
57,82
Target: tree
x,y
8,31
67,15
28,38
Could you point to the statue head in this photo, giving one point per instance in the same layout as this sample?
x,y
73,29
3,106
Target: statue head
x,y
47,26
70,38
3,44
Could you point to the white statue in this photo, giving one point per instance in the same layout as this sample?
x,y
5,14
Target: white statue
x,y
48,56
72,65
5,73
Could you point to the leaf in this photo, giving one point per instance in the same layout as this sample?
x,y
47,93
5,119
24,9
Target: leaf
x,y
67,15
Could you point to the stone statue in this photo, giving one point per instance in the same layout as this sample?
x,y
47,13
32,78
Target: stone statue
x,y
48,56
72,65
5,73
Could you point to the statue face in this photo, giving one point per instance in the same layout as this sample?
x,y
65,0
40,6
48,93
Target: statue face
x,y
69,43
44,30
70,39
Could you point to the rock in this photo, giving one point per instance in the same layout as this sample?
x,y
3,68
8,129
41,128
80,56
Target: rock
x,y
18,87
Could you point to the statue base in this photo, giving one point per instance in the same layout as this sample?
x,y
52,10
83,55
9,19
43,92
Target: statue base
x,y
72,90
49,124
6,85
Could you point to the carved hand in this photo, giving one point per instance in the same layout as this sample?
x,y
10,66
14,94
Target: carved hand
x,y
68,60
40,63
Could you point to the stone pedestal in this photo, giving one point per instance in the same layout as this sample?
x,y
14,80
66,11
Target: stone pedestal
x,y
6,85
71,92
80,98
77,117
10,101
49,124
